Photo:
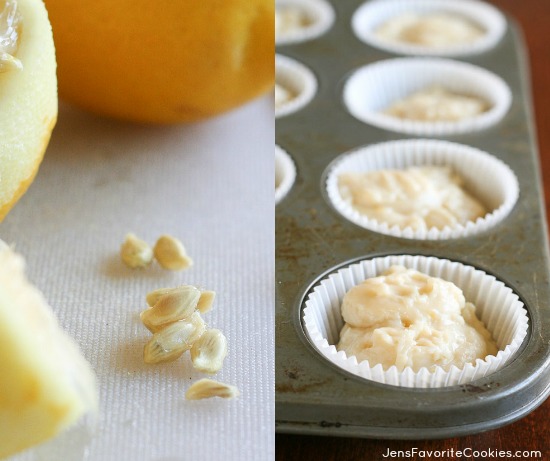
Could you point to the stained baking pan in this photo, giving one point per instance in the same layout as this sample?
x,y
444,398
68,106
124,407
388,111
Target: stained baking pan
x,y
313,396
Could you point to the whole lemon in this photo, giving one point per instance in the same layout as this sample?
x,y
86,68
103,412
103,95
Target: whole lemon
x,y
163,61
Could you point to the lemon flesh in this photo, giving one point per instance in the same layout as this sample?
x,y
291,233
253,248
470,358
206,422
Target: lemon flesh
x,y
28,104
45,384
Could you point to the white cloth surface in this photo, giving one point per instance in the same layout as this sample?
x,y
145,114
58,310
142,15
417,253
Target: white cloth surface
x,y
209,184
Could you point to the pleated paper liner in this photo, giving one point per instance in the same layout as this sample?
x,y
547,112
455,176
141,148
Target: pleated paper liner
x,y
297,79
497,306
318,14
373,88
285,173
369,16
485,177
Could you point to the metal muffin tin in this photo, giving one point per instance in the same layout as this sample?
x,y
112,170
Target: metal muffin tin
x,y
313,239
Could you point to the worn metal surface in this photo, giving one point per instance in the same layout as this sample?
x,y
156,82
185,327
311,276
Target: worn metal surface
x,y
312,395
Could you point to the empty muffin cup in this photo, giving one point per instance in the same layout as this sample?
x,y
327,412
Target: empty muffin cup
x,y
427,96
301,20
295,86
429,27
285,173
496,305
484,177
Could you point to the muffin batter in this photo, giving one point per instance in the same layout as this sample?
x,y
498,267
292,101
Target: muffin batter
x,y
433,30
289,20
408,319
282,95
418,197
437,104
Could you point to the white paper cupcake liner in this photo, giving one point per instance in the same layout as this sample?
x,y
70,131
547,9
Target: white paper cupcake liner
x,y
500,309
298,79
372,14
320,18
485,177
373,88
285,173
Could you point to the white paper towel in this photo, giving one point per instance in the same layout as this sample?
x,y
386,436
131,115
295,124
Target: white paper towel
x,y
209,184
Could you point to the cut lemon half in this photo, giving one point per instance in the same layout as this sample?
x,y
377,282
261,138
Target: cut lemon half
x,y
45,384
28,95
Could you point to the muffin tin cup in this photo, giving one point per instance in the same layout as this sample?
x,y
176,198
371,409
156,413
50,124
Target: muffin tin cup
x,y
497,306
285,173
296,78
371,15
320,17
485,177
373,88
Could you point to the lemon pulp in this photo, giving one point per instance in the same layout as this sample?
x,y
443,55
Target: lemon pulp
x,y
46,384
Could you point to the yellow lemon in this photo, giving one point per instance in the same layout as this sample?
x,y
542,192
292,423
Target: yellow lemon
x,y
45,384
28,95
163,61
